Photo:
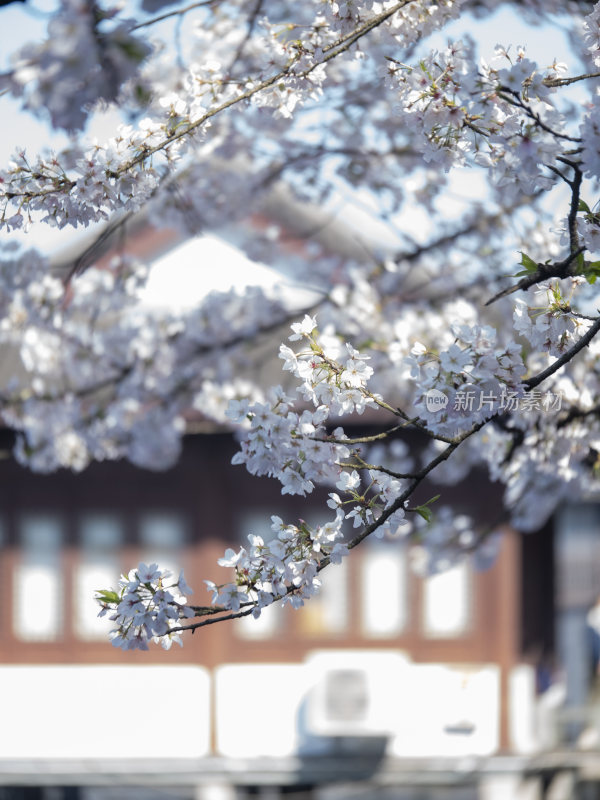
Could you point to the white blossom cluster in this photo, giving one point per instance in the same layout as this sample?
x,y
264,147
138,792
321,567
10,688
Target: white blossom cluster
x,y
84,187
502,119
591,34
98,376
284,568
473,375
549,323
148,606
589,232
293,446
84,59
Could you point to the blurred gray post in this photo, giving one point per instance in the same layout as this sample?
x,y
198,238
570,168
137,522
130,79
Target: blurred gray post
x,y
577,568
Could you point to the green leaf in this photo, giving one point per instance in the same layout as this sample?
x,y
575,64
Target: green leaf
x,y
425,512
583,206
592,272
424,509
134,51
529,264
107,596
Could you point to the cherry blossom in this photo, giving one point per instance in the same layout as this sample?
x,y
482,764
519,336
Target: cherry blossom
x,y
469,324
147,606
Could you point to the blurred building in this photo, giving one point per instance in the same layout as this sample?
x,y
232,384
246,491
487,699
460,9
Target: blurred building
x,y
417,681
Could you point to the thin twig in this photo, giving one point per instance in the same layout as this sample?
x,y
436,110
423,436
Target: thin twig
x,y
175,13
554,82
251,24
514,99
376,467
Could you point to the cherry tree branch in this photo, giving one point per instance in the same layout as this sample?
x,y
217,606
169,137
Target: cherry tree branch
x,y
514,98
415,480
559,269
587,337
556,82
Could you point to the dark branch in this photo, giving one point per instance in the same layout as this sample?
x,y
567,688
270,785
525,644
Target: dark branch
x,y
560,269
531,383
